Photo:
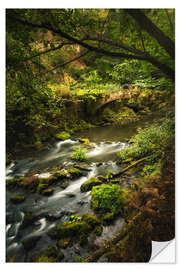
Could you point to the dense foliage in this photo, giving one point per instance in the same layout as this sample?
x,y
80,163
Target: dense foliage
x,y
57,54
150,141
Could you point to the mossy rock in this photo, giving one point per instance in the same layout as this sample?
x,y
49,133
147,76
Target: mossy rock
x,y
14,182
17,199
89,184
28,219
47,192
46,180
74,229
41,187
38,145
98,230
109,200
102,178
70,195
115,181
45,259
60,175
84,141
51,254
91,219
62,135
64,185
74,172
109,142
64,243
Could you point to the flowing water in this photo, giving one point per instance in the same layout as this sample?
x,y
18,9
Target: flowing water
x,y
50,211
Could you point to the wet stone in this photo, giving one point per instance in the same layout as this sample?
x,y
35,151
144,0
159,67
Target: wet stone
x,y
30,242
71,195
17,199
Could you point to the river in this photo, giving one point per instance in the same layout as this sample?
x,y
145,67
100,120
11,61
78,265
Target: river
x,y
50,211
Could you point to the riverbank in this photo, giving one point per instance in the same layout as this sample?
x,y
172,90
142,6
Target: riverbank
x,y
75,113
51,197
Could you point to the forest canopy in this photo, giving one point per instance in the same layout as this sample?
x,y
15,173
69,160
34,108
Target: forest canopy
x,y
84,49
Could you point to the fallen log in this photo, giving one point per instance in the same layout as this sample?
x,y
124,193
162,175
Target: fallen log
x,y
133,164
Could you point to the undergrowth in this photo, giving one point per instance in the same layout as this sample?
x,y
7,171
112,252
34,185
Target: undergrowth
x,y
150,141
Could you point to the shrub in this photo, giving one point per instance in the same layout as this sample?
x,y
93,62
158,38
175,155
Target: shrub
x,y
79,153
109,200
149,170
150,141
63,135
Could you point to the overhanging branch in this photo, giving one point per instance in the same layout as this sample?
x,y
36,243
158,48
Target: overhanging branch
x,y
66,63
167,70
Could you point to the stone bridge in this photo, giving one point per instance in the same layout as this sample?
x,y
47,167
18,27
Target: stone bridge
x,y
96,106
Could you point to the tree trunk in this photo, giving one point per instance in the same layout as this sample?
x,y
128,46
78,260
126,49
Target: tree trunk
x,y
146,24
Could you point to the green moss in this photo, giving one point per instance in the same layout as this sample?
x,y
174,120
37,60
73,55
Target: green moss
x,y
89,184
91,219
46,180
47,192
44,183
74,172
45,259
79,259
74,229
63,135
38,145
41,187
102,178
59,175
17,198
98,230
85,141
64,185
13,182
51,254
109,200
115,181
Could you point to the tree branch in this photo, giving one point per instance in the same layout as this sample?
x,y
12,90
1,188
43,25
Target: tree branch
x,y
118,44
168,71
47,51
66,63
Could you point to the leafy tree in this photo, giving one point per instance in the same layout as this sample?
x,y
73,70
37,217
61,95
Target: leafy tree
x,y
116,33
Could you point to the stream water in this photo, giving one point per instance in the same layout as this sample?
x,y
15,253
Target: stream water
x,y
54,210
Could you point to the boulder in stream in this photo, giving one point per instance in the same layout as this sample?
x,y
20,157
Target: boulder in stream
x,y
89,184
17,199
47,192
